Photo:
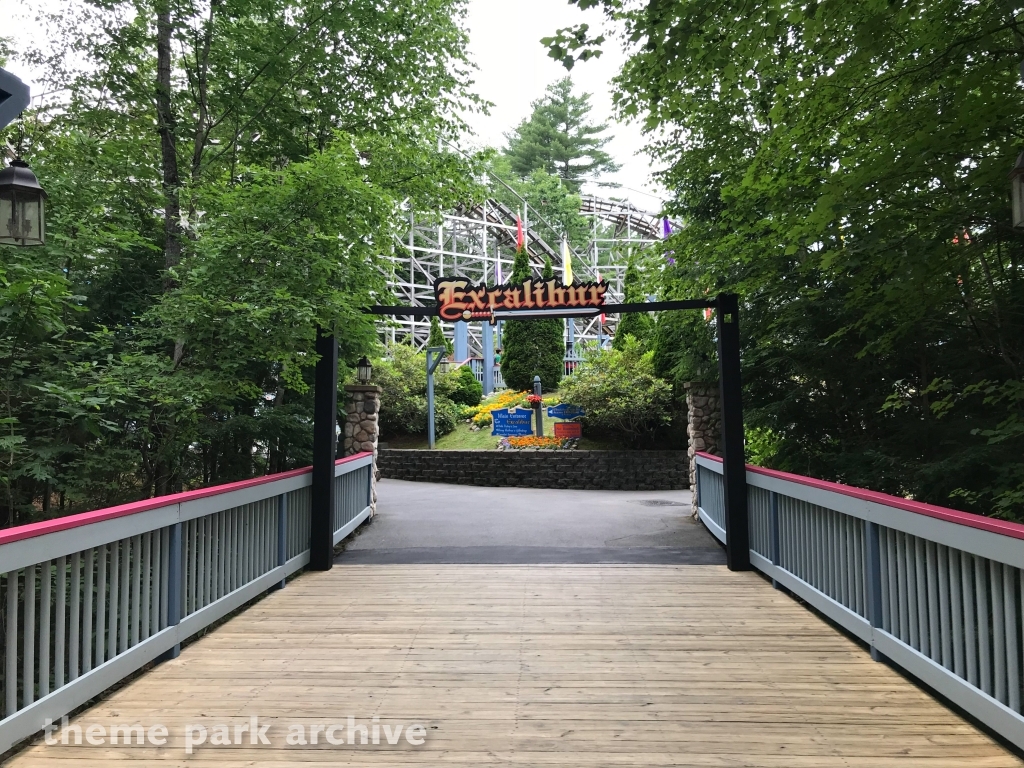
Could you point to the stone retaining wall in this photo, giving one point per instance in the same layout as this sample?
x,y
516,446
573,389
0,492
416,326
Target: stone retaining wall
x,y
589,470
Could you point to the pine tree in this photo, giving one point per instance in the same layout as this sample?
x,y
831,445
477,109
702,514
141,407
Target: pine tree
x,y
532,347
437,337
639,325
559,139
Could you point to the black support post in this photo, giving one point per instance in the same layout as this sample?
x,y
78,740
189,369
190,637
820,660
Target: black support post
x,y
325,446
737,547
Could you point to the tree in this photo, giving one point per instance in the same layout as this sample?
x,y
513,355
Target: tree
x,y
639,325
436,337
532,347
844,170
620,392
222,178
559,139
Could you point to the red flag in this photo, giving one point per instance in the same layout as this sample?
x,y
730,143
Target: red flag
x,y
520,237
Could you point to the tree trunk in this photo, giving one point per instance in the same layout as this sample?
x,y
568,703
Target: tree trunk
x,y
166,125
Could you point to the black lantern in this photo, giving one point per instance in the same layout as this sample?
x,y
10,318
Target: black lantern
x,y
1017,191
22,206
364,370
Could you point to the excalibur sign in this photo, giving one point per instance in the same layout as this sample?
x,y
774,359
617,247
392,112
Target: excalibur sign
x,y
457,299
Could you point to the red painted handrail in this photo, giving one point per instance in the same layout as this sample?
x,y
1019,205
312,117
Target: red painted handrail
x,y
123,510
971,520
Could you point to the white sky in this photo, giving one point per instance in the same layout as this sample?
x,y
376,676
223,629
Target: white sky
x,y
514,70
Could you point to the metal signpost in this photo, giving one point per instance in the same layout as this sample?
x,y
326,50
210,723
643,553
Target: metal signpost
x,y
434,357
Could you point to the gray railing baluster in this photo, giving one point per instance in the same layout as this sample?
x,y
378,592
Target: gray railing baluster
x,y
984,647
112,605
88,610
884,577
100,615
75,619
956,613
921,578
60,626
148,572
126,586
946,644
162,569
874,577
11,646
175,573
45,575
136,607
1012,644
282,534
934,639
28,676
967,571
995,571
903,569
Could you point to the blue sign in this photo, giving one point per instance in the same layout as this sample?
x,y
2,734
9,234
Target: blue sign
x,y
512,423
565,411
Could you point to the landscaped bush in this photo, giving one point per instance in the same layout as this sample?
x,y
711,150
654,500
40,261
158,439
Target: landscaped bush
x,y
466,389
403,405
620,392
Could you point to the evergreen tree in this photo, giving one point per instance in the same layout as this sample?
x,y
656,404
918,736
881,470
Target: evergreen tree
x,y
559,139
436,338
531,347
639,325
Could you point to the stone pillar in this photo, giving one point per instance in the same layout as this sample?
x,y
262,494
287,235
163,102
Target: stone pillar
x,y
703,425
362,428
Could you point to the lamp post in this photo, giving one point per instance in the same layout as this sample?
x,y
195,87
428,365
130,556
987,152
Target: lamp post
x,y
364,370
22,206
1017,192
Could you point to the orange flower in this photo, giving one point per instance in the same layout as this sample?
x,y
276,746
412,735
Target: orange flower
x,y
533,441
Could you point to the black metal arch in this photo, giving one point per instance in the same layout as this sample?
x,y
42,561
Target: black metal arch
x,y
726,306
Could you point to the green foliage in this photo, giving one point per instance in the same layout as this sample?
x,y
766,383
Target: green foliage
x,y
843,168
620,392
559,139
467,390
532,347
436,337
639,325
402,376
163,338
557,205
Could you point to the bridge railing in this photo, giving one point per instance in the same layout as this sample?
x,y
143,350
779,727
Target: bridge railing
x,y
936,591
89,599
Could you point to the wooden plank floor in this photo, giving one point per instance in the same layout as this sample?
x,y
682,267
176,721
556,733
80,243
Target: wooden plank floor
x,y
537,666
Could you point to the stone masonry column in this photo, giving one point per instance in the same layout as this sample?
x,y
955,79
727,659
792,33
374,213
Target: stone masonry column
x,y
362,428
703,425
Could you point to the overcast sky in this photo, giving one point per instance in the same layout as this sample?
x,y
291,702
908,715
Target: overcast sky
x,y
514,70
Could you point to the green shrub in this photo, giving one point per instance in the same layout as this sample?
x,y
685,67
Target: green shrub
x,y
467,390
619,391
403,403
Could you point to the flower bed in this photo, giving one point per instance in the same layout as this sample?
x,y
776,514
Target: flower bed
x,y
481,414
547,442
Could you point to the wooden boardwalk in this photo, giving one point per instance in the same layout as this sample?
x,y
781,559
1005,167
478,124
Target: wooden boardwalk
x,y
536,666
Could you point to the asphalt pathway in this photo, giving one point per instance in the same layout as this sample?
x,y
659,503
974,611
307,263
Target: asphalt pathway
x,y
440,523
